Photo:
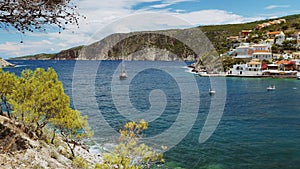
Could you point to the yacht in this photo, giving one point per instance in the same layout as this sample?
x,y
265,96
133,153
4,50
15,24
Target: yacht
x,y
211,91
123,73
270,88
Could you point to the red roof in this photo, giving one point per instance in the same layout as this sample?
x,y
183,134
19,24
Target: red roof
x,y
286,62
274,33
264,66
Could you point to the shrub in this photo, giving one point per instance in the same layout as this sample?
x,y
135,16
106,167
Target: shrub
x,y
80,163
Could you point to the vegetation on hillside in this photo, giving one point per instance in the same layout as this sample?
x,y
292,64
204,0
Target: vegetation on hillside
x,y
130,153
37,100
217,34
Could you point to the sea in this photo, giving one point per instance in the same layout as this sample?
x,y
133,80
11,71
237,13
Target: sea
x,y
241,126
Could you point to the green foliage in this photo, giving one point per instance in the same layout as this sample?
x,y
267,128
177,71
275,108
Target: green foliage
x,y
266,61
228,62
73,127
280,58
37,99
130,153
289,45
54,155
80,163
7,83
275,48
37,166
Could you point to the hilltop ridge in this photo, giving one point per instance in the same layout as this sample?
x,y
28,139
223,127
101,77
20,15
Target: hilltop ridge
x,y
110,49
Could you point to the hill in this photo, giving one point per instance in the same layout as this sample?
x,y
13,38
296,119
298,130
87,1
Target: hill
x,y
131,46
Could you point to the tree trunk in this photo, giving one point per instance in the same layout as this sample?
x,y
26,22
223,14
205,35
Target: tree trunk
x,y
71,149
7,107
1,109
38,130
53,136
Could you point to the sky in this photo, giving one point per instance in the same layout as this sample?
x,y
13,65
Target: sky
x,y
104,17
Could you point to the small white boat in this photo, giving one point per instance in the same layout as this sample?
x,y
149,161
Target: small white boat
x,y
270,88
123,73
211,91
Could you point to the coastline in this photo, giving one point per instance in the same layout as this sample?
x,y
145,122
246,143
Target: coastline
x,y
191,69
4,63
250,76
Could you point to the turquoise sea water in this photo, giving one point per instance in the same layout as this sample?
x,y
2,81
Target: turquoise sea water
x,y
259,129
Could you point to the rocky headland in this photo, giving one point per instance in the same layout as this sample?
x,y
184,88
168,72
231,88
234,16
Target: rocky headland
x,y
4,63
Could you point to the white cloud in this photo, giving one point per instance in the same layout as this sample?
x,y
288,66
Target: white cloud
x,y
21,49
214,17
160,6
9,48
106,17
277,6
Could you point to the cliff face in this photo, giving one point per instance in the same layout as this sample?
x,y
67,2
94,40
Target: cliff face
x,y
168,45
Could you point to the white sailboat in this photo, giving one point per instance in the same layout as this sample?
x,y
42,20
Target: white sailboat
x,y
270,88
211,91
123,74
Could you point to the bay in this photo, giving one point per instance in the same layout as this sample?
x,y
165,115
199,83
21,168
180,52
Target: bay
x,y
258,128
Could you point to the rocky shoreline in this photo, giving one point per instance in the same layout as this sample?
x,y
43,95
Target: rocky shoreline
x,y
18,150
4,63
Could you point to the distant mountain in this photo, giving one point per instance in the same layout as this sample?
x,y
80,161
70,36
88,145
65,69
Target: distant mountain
x,y
165,45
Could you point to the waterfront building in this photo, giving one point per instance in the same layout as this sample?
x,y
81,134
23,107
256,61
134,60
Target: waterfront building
x,y
262,56
252,68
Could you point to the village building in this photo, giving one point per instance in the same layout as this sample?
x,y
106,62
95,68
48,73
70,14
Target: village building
x,y
296,55
233,38
261,47
252,68
286,65
262,56
266,24
244,33
278,37
254,65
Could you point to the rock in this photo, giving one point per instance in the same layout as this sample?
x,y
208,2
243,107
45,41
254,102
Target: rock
x,y
24,152
4,63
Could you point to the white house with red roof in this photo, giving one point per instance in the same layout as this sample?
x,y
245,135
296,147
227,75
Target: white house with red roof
x,y
278,36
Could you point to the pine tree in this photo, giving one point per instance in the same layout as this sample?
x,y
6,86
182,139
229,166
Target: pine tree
x,y
38,99
130,153
72,126
7,83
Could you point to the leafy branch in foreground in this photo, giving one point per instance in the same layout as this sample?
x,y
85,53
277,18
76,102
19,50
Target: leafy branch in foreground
x,y
32,15
130,153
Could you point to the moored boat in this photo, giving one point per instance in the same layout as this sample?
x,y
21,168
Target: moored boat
x,y
270,88
123,73
211,91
